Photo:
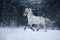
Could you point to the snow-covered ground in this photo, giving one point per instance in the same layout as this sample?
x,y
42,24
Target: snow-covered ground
x,y
28,34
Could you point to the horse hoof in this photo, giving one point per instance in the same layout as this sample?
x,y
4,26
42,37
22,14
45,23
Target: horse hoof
x,y
37,30
33,30
45,30
24,28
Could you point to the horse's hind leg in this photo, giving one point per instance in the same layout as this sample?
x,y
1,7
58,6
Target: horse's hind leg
x,y
45,29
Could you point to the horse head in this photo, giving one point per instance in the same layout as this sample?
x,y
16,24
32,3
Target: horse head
x,y
26,12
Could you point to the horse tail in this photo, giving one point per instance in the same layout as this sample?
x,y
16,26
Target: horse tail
x,y
47,20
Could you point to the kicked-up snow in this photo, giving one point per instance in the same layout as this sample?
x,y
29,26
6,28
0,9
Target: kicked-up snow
x,y
28,34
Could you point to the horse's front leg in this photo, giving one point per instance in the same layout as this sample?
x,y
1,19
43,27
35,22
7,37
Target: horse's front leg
x,y
25,28
38,27
30,26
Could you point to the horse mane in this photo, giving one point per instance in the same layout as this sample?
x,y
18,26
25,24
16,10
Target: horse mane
x,y
31,11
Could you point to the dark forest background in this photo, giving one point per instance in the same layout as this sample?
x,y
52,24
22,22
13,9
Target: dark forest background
x,y
11,11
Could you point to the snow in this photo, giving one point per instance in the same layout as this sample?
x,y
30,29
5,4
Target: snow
x,y
28,34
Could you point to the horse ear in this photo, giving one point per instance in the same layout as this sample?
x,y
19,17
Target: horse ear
x,y
29,9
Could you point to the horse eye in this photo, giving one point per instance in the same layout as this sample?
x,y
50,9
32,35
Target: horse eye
x,y
25,12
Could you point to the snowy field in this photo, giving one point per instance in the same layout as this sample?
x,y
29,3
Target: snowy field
x,y
28,34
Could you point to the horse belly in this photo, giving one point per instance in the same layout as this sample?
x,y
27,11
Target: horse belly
x,y
42,22
36,21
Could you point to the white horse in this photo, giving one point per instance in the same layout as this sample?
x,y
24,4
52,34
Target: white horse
x,y
38,20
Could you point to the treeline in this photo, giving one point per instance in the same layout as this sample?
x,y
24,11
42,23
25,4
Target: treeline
x,y
11,11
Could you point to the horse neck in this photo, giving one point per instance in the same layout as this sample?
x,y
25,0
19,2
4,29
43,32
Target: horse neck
x,y
30,16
